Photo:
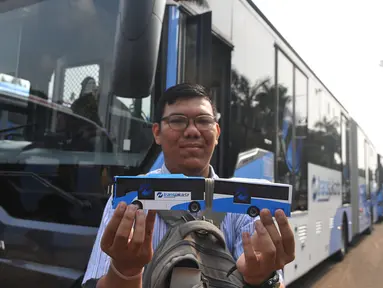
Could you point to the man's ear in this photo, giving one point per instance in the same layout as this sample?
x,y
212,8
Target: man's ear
x,y
156,129
218,133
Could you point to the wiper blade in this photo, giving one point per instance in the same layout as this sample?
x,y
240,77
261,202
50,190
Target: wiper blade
x,y
62,193
16,128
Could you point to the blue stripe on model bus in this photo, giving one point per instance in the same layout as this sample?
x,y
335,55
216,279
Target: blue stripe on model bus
x,y
128,198
227,205
185,206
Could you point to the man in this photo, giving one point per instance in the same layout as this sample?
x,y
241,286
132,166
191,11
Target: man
x,y
187,131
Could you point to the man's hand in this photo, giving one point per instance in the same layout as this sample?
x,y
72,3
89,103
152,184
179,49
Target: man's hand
x,y
266,250
130,248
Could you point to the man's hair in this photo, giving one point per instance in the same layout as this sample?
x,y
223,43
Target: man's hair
x,y
180,92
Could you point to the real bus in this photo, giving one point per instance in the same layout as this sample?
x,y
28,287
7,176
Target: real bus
x,y
87,118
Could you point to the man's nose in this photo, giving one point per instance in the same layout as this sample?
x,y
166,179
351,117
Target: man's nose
x,y
192,131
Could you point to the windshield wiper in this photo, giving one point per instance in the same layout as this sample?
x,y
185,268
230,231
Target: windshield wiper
x,y
17,127
46,183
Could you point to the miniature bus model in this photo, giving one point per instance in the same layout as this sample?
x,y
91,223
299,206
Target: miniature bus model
x,y
250,196
179,192
161,192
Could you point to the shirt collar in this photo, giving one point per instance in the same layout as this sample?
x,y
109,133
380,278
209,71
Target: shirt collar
x,y
212,173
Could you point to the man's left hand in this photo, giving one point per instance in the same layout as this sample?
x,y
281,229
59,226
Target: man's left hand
x,y
267,250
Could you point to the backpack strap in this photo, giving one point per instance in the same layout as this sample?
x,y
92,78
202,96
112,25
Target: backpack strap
x,y
175,217
213,217
200,227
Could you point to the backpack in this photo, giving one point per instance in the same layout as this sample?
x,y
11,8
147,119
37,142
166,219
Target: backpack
x,y
193,243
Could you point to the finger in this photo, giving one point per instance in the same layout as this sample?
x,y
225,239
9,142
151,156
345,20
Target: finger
x,y
122,235
250,256
269,224
131,235
265,246
111,229
139,232
150,221
286,233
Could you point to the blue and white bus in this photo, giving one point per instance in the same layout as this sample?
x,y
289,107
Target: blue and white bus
x,y
88,116
161,192
250,196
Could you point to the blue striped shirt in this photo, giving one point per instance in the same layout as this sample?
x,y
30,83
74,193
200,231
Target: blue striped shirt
x,y
232,227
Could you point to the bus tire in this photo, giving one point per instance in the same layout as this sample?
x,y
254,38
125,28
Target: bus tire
x,y
253,211
194,207
138,204
370,228
339,256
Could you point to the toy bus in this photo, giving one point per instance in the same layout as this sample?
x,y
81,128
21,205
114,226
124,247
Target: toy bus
x,y
161,192
193,194
250,196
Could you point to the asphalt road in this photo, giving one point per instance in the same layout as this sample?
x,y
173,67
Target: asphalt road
x,y
362,266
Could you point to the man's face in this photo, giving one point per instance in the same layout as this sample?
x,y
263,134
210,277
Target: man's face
x,y
189,150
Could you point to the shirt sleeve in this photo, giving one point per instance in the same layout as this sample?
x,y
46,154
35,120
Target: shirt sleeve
x,y
233,226
98,264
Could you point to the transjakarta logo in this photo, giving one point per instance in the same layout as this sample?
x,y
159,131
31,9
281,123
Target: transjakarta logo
x,y
173,195
322,190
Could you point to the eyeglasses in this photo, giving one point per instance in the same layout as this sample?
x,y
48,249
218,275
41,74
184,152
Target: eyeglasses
x,y
181,122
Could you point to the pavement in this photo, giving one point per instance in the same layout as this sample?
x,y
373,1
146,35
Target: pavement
x,y
362,266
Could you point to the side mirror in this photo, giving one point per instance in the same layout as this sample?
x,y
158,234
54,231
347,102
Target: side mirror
x,y
138,36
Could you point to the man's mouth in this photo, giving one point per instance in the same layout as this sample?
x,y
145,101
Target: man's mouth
x,y
191,145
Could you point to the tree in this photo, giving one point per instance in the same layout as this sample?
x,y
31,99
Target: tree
x,y
327,141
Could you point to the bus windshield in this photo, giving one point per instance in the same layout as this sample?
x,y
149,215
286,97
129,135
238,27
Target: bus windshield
x,y
58,120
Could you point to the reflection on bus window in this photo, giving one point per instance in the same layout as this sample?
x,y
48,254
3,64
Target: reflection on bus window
x,y
63,140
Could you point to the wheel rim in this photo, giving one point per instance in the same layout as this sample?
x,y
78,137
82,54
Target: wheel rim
x,y
194,207
253,212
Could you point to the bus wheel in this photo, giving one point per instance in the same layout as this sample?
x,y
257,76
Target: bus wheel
x,y
253,211
339,256
138,204
194,207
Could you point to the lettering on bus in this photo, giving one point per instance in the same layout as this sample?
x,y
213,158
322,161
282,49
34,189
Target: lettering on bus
x,y
162,195
323,189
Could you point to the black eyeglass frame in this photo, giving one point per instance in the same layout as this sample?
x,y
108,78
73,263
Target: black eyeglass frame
x,y
167,118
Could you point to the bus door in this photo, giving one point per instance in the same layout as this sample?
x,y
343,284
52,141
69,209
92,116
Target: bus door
x,y
188,52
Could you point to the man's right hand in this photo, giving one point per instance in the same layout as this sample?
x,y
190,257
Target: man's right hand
x,y
130,248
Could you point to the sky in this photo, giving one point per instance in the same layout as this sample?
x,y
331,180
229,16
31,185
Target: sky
x,y
342,42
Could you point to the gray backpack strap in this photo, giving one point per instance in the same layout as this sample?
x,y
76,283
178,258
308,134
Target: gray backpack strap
x,y
214,217
208,214
175,217
200,227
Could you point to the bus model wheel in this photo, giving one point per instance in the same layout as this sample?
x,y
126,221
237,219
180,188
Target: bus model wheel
x,y
253,211
194,207
138,204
